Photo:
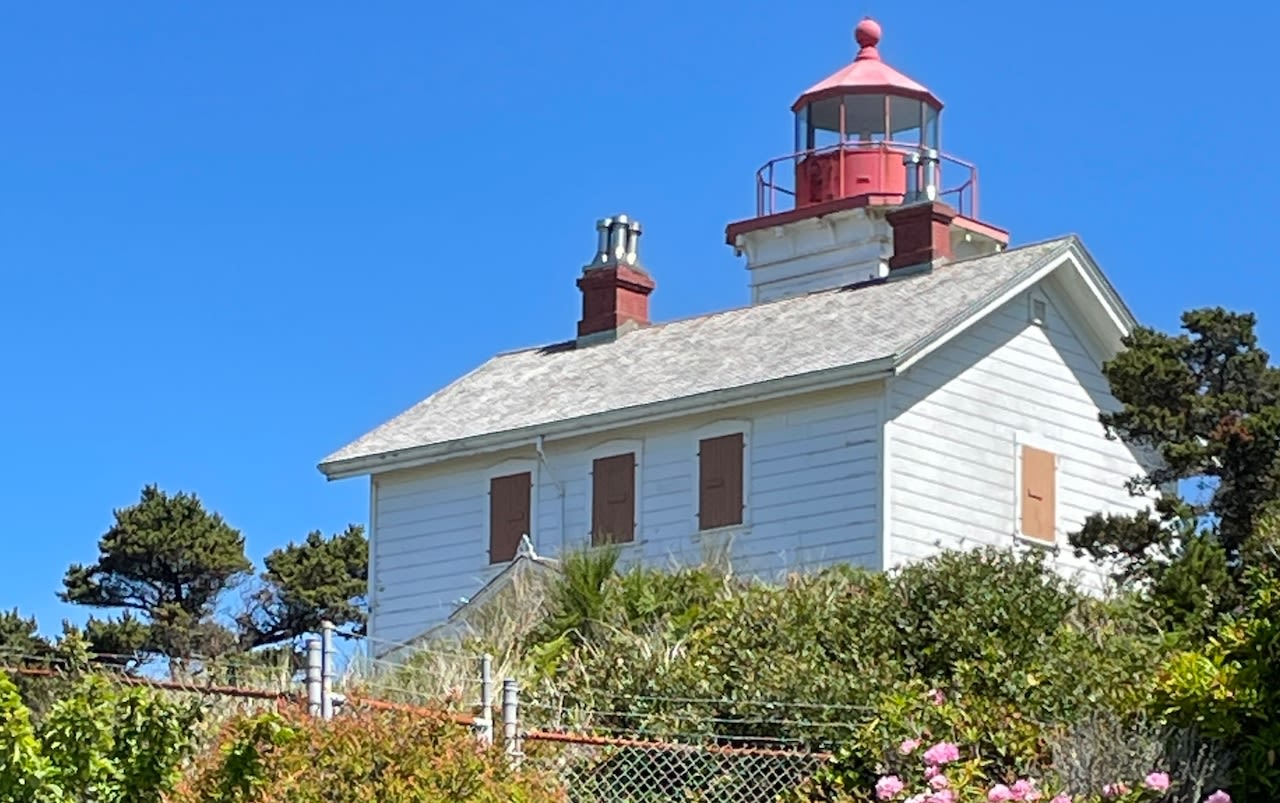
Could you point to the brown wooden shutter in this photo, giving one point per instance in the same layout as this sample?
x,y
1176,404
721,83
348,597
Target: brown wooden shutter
x,y
720,481
1039,503
509,499
613,500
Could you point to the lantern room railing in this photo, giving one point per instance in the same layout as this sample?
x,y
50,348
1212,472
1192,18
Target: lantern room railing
x,y
775,181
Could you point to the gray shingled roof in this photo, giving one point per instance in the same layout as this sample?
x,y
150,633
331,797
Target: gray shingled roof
x,y
739,347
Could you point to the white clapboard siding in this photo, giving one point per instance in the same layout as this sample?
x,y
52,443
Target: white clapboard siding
x,y
426,549
811,474
954,419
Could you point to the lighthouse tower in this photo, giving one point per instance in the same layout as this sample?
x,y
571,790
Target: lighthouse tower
x,y
867,192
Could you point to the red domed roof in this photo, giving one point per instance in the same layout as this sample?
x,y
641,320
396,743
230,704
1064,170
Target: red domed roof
x,y
867,75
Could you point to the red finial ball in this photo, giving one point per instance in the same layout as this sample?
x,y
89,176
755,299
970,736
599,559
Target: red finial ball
x,y
867,34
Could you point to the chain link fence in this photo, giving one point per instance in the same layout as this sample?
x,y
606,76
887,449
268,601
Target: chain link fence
x,y
629,764
609,770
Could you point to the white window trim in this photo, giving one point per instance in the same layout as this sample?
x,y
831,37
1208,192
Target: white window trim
x,y
718,429
515,465
1021,439
611,449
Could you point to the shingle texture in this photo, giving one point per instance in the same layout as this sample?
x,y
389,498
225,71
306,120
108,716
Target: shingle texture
x,y
815,332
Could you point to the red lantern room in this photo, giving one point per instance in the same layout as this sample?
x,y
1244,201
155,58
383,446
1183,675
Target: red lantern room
x,y
866,190
868,133
854,129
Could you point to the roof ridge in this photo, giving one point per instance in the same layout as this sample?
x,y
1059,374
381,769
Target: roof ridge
x,y
738,308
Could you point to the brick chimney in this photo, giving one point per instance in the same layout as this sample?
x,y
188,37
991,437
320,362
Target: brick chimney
x,y
615,287
921,235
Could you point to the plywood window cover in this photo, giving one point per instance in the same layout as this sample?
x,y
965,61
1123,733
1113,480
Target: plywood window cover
x,y
510,514
721,490
613,499
1038,492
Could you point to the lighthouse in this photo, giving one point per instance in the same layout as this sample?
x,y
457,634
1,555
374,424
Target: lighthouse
x,y
867,191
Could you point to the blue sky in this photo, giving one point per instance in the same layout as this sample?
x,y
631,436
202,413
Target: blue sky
x,y
235,236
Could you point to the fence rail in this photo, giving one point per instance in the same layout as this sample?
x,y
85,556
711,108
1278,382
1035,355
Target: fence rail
x,y
776,178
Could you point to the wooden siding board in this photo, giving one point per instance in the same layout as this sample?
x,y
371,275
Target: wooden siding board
x,y
968,402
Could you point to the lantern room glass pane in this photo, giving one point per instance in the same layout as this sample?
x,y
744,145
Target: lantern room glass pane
x,y
864,118
907,120
822,138
814,129
804,136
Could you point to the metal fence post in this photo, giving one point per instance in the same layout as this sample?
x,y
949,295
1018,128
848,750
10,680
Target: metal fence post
x,y
326,683
511,719
315,684
484,723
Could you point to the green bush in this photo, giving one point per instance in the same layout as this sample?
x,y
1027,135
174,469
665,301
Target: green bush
x,y
851,658
1229,685
359,757
97,743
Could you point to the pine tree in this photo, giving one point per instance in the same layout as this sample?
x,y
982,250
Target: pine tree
x,y
1206,402
167,561
307,583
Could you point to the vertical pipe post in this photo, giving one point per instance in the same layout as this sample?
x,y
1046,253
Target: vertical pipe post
x,y
511,719
314,673
326,677
485,722
930,186
911,162
840,151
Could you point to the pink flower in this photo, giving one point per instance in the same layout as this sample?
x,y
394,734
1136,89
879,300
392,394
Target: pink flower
x,y
1157,782
941,753
1000,793
1114,790
939,781
1062,798
941,796
888,787
937,696
1218,797
931,770
908,746
1025,790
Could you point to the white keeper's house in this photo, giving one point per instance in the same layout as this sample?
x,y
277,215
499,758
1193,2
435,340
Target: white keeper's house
x,y
903,381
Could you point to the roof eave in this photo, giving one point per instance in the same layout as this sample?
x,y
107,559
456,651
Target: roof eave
x,y
1073,250
1105,289
418,456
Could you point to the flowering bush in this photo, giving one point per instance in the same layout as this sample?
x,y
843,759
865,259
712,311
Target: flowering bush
x,y
944,772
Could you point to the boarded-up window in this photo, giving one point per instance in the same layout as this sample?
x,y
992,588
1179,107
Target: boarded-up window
x,y
1039,505
508,514
720,481
613,500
